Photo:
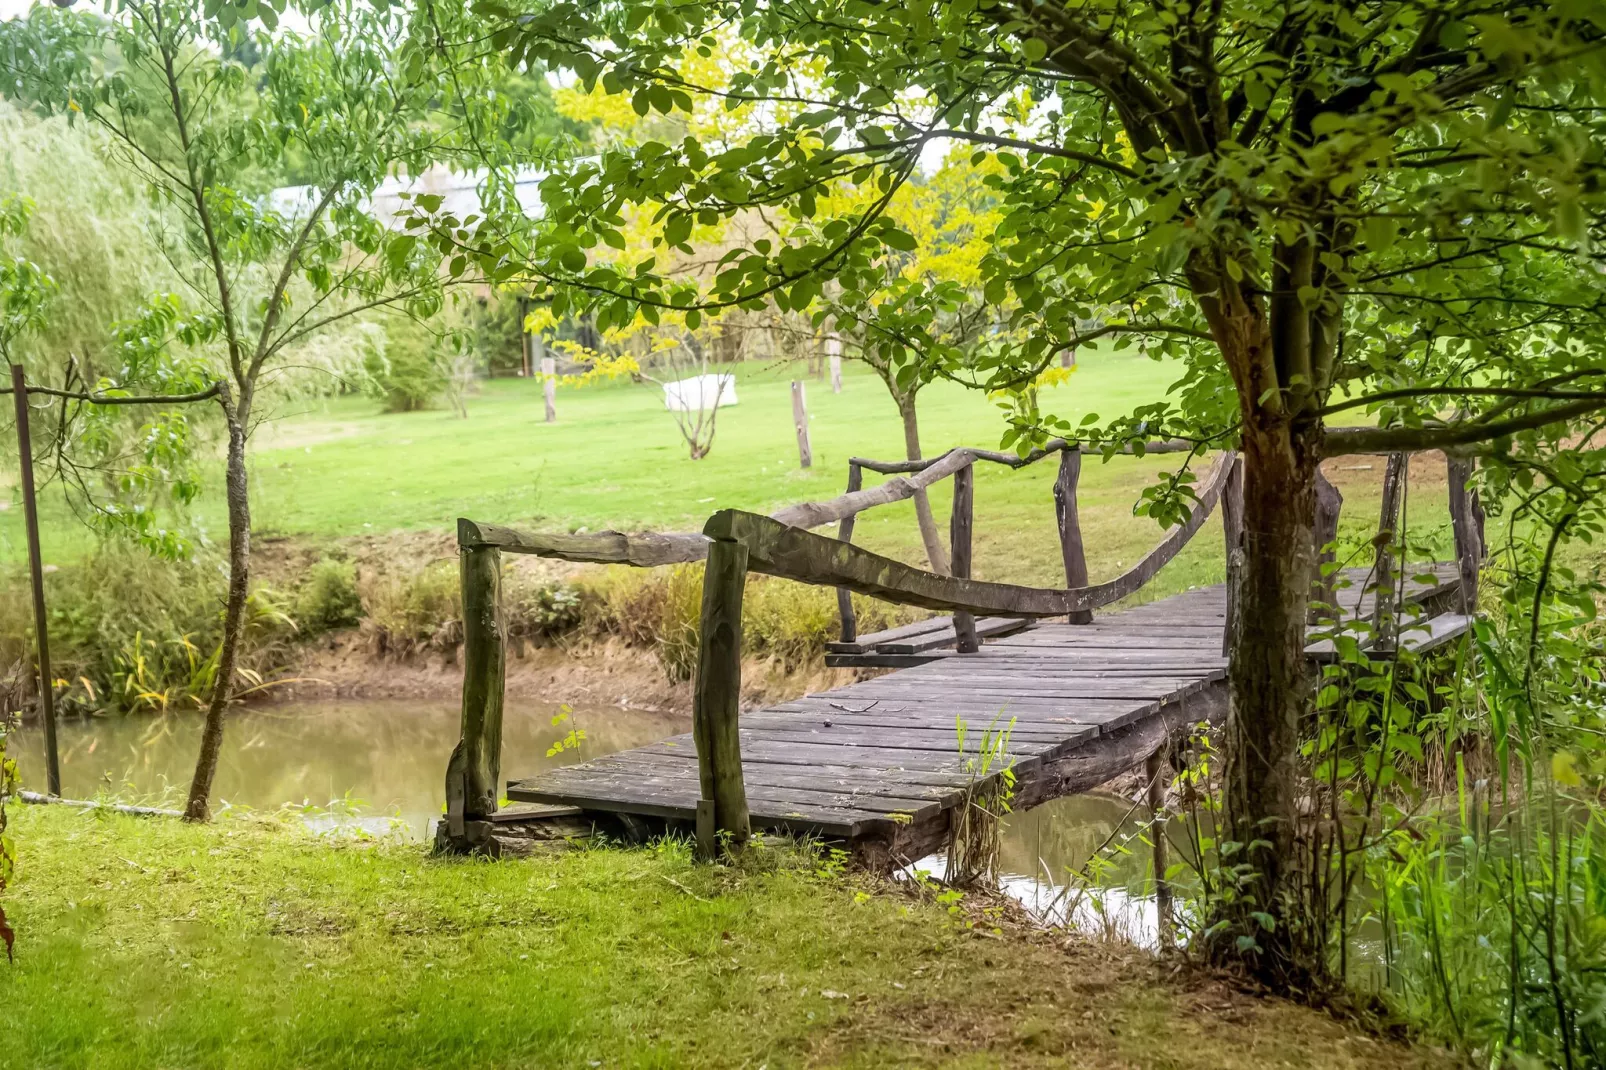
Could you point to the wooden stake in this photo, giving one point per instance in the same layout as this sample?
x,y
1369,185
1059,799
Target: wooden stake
x,y
1072,552
36,573
800,417
1232,529
844,533
1155,767
474,771
1466,522
1388,535
549,385
716,700
1329,503
959,540
833,353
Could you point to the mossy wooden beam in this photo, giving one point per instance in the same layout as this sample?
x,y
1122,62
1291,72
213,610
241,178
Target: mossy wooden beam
x,y
716,700
473,772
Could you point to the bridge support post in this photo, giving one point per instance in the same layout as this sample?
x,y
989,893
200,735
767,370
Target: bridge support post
x,y
1155,768
1329,503
475,767
1388,535
960,527
716,700
844,533
1466,521
1232,528
1072,552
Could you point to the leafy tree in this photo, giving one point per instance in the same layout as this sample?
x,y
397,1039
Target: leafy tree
x,y
347,100
1326,209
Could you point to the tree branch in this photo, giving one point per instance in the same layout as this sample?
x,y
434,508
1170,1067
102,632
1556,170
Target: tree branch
x,y
115,399
1346,441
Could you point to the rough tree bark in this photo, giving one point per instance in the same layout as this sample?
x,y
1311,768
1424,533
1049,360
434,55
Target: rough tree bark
x,y
198,808
936,554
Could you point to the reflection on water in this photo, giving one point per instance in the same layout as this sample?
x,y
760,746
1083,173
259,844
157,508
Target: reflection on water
x,y
1045,866
388,756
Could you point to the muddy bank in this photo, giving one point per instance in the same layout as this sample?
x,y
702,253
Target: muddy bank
x,y
606,672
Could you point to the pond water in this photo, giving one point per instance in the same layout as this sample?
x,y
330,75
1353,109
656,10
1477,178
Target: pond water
x,y
382,763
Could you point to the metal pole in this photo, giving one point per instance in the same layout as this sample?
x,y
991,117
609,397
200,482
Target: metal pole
x,y
30,514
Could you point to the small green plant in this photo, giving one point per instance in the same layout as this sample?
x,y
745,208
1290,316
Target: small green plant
x,y
571,740
328,598
975,826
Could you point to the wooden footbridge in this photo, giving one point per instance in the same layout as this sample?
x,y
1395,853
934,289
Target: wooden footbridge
x,y
1018,677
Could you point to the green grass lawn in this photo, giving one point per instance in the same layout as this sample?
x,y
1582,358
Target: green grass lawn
x,y
615,459
149,943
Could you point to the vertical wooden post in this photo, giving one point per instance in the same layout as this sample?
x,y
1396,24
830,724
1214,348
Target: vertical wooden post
x,y
844,533
717,699
1466,523
960,526
833,354
1387,536
1068,357
800,417
36,575
474,772
549,379
1072,552
1155,768
1232,529
1329,503
526,365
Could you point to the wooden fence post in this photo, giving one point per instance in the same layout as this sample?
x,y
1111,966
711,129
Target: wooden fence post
x,y
1329,503
1073,553
36,576
800,417
1466,521
844,533
474,772
716,701
1232,529
549,378
833,353
960,526
1155,768
1387,535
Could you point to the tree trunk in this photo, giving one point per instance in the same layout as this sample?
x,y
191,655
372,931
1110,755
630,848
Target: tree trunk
x,y
239,506
1270,687
936,555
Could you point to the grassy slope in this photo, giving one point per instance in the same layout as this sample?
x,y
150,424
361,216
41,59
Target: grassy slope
x,y
150,943
615,460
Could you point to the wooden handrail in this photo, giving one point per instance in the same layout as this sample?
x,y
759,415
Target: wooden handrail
x,y
780,549
645,549
1015,460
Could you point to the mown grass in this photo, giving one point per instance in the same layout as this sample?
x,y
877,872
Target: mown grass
x,y
147,943
342,469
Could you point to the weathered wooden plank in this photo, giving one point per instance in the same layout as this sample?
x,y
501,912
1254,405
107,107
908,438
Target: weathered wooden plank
x,y
986,628
924,778
663,785
893,635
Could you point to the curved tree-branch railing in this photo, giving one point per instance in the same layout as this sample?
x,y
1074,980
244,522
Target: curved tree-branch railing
x,y
734,543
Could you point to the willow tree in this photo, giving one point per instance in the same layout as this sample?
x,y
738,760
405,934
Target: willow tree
x,y
344,105
1370,208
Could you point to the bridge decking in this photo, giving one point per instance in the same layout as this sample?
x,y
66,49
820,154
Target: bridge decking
x,y
880,760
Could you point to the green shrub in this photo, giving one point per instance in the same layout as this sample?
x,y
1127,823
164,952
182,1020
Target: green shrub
x,y
328,598
541,609
411,371
403,614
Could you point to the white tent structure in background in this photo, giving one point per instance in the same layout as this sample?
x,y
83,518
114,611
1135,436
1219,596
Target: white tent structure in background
x,y
459,192
700,393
